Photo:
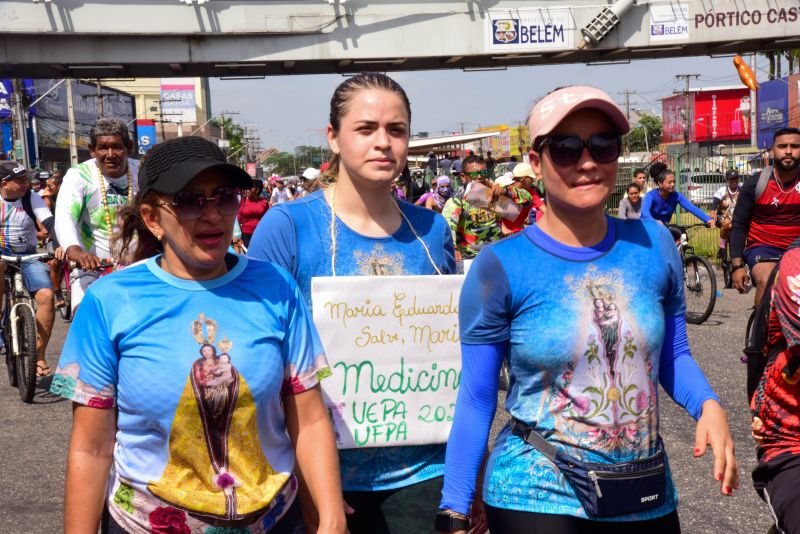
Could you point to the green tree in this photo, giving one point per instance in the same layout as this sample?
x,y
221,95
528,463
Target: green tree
x,y
649,125
233,133
312,156
283,163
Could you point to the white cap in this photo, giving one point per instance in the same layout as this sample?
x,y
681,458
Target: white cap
x,y
505,180
310,173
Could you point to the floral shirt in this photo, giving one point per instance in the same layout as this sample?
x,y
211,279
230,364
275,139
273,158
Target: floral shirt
x,y
196,371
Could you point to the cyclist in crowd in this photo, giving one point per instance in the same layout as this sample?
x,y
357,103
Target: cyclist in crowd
x,y
640,179
722,208
579,338
251,210
194,373
776,402
19,212
439,195
351,227
89,199
660,203
763,227
630,207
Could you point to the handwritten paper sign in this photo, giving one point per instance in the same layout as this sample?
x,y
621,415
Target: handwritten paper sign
x,y
394,349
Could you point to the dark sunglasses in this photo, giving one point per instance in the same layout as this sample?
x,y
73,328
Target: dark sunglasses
x,y
476,174
604,147
192,204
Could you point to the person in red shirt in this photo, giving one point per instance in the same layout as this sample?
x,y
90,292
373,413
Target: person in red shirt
x,y
522,178
767,225
251,210
776,403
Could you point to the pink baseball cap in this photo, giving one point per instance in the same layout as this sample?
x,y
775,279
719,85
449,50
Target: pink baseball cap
x,y
553,108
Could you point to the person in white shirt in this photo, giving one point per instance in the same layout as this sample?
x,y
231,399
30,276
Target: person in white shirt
x,y
20,208
89,199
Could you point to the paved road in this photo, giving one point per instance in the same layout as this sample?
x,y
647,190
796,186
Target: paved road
x,y
34,440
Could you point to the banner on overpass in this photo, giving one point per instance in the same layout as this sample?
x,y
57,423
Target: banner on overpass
x,y
530,29
178,101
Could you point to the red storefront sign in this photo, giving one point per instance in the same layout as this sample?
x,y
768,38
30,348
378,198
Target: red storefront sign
x,y
721,115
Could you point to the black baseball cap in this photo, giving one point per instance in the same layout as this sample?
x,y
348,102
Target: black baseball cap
x,y
12,169
731,173
170,165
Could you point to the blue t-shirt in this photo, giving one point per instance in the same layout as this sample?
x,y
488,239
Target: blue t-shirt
x,y
196,370
584,340
656,207
296,235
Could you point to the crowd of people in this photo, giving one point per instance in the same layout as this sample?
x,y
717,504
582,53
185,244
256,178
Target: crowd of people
x,y
195,371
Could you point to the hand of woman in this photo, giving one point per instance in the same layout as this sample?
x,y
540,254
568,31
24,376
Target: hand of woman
x,y
711,223
477,517
712,429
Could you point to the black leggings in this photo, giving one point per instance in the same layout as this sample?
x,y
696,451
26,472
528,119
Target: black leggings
x,y
399,511
503,521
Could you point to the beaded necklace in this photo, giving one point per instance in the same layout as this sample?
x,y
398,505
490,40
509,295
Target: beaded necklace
x,y
104,195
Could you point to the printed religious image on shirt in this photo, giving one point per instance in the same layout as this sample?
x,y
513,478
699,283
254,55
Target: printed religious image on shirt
x,y
605,397
216,467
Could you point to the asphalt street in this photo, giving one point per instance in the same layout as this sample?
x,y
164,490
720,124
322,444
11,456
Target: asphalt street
x,y
34,438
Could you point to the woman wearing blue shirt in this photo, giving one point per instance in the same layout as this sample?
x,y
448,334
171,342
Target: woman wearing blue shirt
x,y
194,373
587,341
660,203
353,226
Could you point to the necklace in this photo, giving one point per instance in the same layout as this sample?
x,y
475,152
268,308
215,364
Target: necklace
x,y
104,195
776,200
403,215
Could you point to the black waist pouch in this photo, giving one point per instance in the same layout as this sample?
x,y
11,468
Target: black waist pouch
x,y
606,490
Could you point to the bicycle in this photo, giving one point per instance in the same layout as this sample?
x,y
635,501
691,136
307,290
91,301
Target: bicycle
x,y
65,268
19,326
749,342
699,278
724,257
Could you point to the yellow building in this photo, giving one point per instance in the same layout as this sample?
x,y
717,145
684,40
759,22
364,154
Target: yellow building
x,y
513,141
153,103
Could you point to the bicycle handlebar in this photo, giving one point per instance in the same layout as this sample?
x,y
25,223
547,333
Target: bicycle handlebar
x,y
26,257
104,264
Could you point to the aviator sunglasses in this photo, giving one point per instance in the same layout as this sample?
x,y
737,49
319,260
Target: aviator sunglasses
x,y
476,174
604,147
192,204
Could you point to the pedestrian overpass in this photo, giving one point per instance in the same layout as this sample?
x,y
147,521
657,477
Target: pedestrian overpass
x,y
239,38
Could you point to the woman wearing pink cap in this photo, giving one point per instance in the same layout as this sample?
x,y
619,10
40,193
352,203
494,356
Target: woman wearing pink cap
x,y
587,347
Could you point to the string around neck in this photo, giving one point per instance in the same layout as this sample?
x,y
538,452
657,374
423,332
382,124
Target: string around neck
x,y
402,215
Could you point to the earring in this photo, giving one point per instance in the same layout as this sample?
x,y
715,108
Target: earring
x,y
159,236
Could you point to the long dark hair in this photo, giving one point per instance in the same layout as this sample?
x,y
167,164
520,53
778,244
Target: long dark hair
x,y
339,106
133,229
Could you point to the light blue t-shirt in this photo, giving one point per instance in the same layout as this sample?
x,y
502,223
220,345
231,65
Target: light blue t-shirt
x,y
196,370
584,336
296,236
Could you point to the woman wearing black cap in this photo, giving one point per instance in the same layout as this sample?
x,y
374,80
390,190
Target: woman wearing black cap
x,y
194,372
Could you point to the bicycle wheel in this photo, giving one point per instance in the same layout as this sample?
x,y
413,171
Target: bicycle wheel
x,y
26,359
701,289
726,274
66,310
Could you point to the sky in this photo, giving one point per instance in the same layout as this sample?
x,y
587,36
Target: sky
x,y
293,110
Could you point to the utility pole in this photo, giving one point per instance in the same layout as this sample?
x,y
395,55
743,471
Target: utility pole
x,y
687,123
687,116
628,93
20,120
73,139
